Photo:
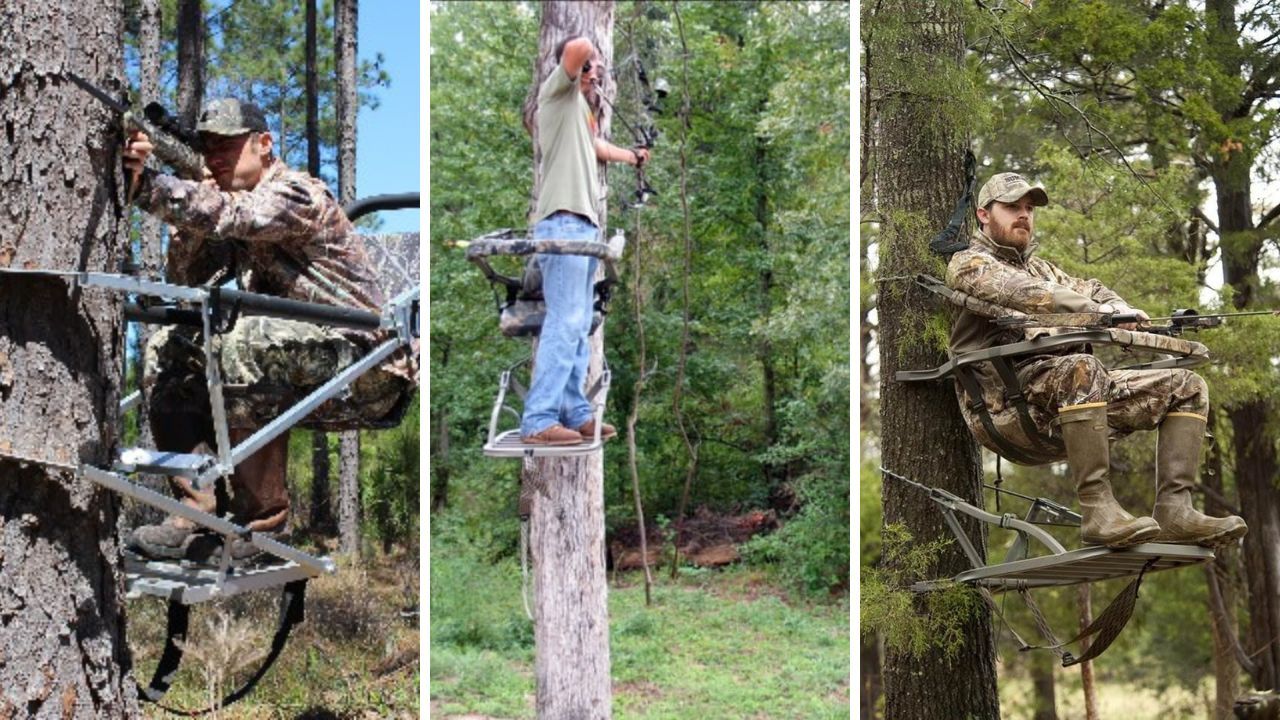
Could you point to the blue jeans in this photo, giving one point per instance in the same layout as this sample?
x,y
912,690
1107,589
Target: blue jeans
x,y
560,366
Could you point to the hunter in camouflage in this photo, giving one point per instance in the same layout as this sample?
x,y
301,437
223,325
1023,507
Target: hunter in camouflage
x,y
1075,404
278,232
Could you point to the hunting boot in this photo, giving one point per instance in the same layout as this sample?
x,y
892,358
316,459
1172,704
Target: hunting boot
x,y
1104,522
1177,458
169,539
259,501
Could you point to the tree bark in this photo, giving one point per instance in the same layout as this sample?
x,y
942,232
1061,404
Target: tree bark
x,y
919,175
1088,687
190,61
349,492
344,38
62,647
1223,573
571,614
1254,450
321,515
345,24
1042,687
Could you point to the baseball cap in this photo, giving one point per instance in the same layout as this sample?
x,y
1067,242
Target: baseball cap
x,y
228,116
1008,187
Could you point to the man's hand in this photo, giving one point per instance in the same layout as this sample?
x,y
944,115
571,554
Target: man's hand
x,y
137,148
1143,318
640,156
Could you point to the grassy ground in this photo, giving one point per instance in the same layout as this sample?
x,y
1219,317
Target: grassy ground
x,y
355,656
714,644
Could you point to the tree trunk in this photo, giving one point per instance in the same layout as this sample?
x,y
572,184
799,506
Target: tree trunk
x,y
62,646
344,38
321,516
190,61
1088,687
1222,574
1042,687
349,492
571,614
920,151
345,24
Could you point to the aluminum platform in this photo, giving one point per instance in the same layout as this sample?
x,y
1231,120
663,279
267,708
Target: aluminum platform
x,y
1090,564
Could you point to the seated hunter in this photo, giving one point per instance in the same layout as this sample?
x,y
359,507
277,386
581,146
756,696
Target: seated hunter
x,y
1075,403
279,232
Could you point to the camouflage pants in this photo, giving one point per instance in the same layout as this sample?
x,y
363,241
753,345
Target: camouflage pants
x,y
267,365
1136,400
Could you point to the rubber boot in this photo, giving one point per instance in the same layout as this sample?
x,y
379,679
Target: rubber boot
x,y
1177,458
1104,522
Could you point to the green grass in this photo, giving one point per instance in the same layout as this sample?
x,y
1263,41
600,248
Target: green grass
x,y
714,644
353,657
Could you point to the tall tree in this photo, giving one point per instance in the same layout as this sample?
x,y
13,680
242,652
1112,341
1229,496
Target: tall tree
x,y
62,648
321,519
571,614
191,59
345,34
913,51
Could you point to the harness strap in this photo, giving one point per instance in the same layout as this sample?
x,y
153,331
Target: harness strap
x,y
946,242
1013,393
1106,626
292,599
979,408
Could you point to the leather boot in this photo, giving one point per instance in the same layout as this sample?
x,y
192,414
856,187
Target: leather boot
x,y
259,501
169,539
1177,458
1084,432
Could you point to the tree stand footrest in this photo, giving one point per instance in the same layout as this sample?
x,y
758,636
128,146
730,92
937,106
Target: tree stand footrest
x,y
160,462
189,584
508,445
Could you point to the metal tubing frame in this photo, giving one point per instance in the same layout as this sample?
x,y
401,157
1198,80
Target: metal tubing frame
x,y
113,482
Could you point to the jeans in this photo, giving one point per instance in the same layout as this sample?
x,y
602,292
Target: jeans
x,y
560,366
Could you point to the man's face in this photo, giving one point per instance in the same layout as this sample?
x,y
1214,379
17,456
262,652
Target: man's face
x,y
237,162
590,77
1010,223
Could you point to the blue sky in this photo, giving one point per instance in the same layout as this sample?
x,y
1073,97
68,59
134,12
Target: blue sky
x,y
388,139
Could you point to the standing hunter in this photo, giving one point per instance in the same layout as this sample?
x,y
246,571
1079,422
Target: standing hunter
x,y
1074,401
555,410
277,232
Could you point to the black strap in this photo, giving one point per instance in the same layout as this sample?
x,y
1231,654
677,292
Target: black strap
x,y
949,241
176,637
1013,393
1106,626
292,600
979,408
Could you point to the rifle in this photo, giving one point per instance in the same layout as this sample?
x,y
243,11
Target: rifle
x,y
174,145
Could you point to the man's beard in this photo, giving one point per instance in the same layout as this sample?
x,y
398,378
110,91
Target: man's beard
x,y
1004,234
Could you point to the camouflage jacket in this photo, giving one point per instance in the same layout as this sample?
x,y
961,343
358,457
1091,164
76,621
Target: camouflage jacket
x,y
286,237
1019,281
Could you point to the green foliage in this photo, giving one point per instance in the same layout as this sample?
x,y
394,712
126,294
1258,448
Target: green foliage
x,y
390,481
910,622
719,644
767,164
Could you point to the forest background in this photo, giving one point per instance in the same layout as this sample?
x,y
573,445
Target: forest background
x,y
731,321
358,652
1153,127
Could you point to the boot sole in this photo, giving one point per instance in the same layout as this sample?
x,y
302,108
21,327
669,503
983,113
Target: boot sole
x,y
1137,538
1222,538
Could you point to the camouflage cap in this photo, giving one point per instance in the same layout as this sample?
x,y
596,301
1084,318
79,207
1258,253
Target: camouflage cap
x,y
1008,187
228,116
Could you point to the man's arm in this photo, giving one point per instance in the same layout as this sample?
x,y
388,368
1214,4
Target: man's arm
x,y
576,54
608,152
985,278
